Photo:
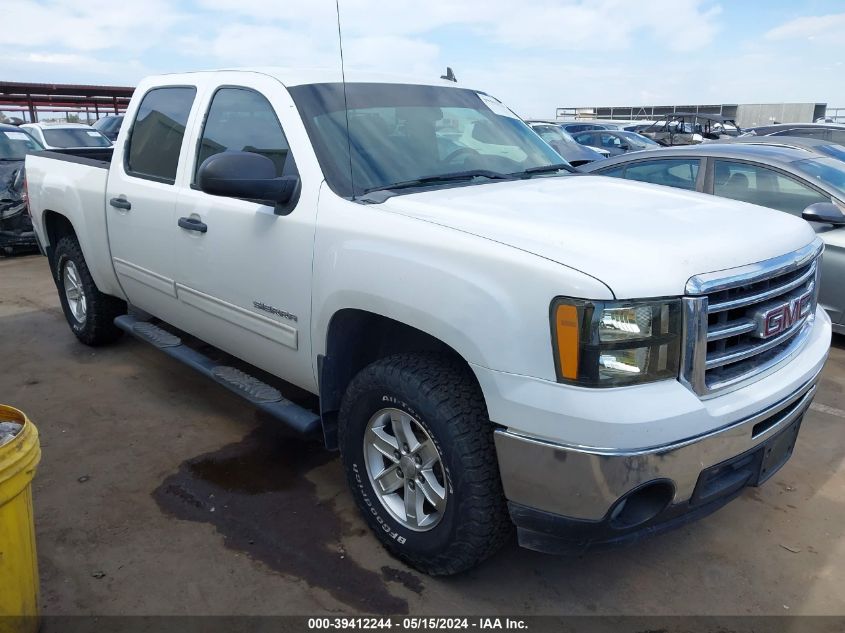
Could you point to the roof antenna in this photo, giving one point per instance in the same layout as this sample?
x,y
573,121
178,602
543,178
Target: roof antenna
x,y
449,76
345,101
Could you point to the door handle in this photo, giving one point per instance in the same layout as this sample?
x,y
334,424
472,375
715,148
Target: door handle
x,y
193,224
120,203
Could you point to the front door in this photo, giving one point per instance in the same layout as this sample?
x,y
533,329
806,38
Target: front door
x,y
244,268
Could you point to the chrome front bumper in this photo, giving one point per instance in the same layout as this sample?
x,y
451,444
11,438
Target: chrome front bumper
x,y
584,484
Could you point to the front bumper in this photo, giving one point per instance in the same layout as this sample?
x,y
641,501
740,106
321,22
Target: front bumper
x,y
16,233
569,456
645,492
18,241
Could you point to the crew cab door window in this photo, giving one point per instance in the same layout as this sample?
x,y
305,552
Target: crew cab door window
x,y
155,139
763,186
681,173
243,120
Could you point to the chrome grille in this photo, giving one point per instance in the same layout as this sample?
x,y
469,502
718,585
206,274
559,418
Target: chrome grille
x,y
744,322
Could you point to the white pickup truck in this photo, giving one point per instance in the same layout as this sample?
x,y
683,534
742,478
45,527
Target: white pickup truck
x,y
494,340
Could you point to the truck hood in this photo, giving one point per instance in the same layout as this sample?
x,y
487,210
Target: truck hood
x,y
640,240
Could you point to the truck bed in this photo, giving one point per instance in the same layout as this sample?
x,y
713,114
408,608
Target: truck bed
x,y
93,156
72,183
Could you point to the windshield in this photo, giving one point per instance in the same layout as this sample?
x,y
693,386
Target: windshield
x,y
74,137
108,124
827,171
16,144
401,133
638,140
837,151
554,134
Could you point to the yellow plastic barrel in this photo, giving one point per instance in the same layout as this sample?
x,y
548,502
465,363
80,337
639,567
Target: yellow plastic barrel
x,y
18,562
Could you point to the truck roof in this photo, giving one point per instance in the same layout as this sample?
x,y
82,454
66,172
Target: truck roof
x,y
300,76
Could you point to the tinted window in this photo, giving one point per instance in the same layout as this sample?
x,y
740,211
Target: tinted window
x,y
614,172
675,172
16,144
108,124
74,137
763,186
156,136
243,120
610,141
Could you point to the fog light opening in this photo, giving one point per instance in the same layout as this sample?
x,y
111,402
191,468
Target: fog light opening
x,y
642,504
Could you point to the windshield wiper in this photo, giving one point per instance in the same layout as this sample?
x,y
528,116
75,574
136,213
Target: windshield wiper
x,y
451,177
546,169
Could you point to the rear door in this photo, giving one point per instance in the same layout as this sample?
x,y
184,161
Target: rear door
x,y
141,197
244,282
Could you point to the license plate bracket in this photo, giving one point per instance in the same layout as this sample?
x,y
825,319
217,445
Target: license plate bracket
x,y
777,451
751,468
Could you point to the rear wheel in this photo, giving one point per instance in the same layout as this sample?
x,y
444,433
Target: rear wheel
x,y
418,451
89,312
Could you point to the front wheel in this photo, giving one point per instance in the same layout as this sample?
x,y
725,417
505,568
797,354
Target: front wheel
x,y
89,313
418,451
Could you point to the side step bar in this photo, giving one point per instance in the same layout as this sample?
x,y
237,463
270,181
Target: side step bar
x,y
264,396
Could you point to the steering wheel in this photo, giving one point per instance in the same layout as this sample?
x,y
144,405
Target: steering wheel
x,y
459,152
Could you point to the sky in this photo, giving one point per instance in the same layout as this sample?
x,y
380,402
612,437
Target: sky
x,y
535,55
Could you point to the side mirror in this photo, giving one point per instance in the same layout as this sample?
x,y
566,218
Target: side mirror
x,y
826,212
245,175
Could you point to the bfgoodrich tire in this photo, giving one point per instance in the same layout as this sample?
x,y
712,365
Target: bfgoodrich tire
x,y
418,451
89,313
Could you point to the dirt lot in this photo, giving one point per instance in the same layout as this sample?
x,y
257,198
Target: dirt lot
x,y
161,493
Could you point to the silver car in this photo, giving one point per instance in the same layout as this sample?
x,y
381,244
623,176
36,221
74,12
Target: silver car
x,y
802,181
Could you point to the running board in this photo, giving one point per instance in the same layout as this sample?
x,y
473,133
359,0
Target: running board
x,y
264,396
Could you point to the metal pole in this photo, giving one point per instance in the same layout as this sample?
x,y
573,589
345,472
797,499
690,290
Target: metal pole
x,y
33,116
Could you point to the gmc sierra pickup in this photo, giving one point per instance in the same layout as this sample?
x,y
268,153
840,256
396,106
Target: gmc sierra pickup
x,y
494,339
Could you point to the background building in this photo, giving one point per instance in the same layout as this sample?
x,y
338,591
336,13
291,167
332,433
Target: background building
x,y
745,114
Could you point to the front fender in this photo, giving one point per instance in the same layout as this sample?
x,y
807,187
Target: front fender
x,y
486,300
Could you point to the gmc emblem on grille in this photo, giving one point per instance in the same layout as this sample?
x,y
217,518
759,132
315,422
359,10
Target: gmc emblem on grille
x,y
773,319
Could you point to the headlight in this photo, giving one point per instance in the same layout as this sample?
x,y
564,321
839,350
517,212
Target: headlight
x,y
614,343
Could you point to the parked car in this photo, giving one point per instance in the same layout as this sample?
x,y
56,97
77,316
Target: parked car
x,y
574,153
66,135
109,126
493,339
690,128
817,145
614,142
574,127
790,179
831,132
16,232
